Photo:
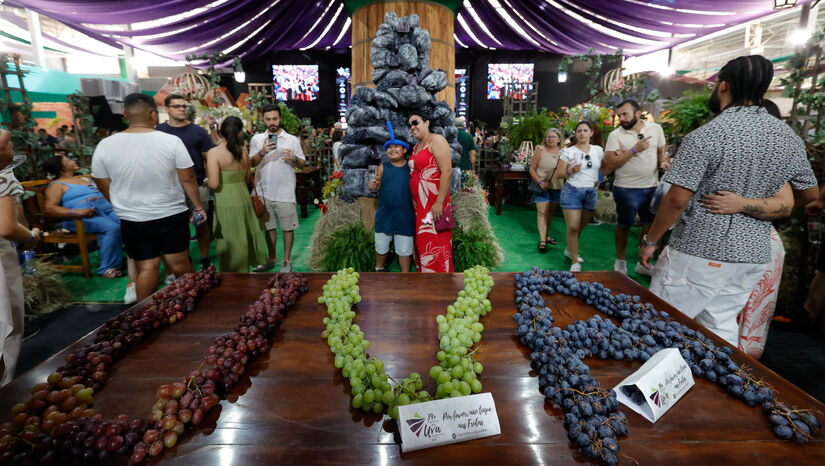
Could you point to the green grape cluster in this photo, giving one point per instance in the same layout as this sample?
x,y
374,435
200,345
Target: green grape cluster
x,y
457,370
371,389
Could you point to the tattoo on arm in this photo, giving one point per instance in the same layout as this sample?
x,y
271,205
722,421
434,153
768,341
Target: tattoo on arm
x,y
762,211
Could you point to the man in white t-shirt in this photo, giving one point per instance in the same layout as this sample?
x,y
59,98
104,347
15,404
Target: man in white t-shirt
x,y
275,154
144,173
636,150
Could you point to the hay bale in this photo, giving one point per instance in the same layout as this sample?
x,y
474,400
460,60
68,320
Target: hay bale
x,y
43,292
339,216
470,207
606,207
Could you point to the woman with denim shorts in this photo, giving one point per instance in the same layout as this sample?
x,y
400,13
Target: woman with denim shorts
x,y
580,165
542,171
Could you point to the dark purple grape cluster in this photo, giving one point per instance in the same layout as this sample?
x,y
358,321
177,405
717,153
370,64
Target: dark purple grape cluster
x,y
643,331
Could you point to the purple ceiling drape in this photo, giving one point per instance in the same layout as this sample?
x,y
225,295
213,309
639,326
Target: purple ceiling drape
x,y
250,28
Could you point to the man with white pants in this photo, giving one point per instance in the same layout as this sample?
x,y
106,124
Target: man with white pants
x,y
714,261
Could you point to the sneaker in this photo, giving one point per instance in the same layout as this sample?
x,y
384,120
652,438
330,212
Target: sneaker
x,y
131,294
620,266
576,268
264,267
567,255
169,279
382,269
641,270
286,266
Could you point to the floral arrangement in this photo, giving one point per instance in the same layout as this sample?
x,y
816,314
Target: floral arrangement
x,y
333,188
221,112
521,159
603,117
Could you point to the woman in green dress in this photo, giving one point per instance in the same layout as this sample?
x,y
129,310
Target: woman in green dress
x,y
238,237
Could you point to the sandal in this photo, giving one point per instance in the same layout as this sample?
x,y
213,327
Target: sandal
x,y
112,273
552,241
542,246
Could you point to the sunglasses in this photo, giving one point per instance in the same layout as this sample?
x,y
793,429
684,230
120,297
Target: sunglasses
x,y
641,136
589,163
414,123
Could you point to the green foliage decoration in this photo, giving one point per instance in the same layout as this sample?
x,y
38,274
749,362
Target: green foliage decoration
x,y
350,247
289,122
685,114
85,129
530,128
475,245
593,72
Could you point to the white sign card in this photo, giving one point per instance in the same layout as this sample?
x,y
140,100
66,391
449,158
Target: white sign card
x,y
451,420
657,385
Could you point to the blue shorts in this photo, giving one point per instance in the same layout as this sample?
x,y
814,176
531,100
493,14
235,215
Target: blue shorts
x,y
551,195
573,198
403,244
629,202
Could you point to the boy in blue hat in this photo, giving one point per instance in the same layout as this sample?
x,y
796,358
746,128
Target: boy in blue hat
x,y
395,217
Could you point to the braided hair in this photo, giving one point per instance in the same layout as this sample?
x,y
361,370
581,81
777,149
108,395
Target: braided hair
x,y
748,78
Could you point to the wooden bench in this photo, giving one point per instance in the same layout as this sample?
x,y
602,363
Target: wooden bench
x,y
35,208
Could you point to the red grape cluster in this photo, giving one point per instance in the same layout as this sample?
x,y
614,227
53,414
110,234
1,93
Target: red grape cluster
x,y
55,425
186,402
92,362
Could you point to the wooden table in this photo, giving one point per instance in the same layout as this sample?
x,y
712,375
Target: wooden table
x,y
506,174
292,406
302,179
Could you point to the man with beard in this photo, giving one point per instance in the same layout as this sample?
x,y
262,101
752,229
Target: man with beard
x,y
714,261
636,150
276,153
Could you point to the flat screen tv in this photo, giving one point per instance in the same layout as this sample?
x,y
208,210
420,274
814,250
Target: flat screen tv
x,y
295,82
501,74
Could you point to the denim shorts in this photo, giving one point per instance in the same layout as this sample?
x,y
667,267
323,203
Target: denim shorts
x,y
551,195
629,202
403,244
573,198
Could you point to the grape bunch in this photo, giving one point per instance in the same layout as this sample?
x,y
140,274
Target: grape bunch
x,y
642,331
92,362
56,424
188,402
457,371
372,391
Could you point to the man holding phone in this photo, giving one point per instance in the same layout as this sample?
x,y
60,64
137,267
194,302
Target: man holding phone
x,y
276,154
636,150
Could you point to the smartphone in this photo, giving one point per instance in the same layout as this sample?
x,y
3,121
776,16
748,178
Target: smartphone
x,y
273,139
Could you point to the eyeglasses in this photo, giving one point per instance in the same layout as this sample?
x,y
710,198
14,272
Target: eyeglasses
x,y
176,106
414,123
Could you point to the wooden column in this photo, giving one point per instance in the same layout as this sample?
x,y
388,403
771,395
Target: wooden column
x,y
436,18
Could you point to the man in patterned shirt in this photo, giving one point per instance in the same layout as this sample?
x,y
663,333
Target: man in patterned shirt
x,y
714,261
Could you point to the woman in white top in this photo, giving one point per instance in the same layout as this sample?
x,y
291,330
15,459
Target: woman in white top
x,y
580,164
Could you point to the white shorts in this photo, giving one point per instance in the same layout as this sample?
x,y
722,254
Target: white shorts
x,y
708,291
403,244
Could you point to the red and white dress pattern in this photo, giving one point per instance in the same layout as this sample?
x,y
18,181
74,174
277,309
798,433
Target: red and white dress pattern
x,y
755,318
433,250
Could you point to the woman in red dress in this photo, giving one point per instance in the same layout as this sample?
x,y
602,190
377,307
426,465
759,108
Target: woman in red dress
x,y
430,171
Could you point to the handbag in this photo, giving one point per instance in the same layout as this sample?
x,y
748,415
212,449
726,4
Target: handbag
x,y
257,204
534,187
447,220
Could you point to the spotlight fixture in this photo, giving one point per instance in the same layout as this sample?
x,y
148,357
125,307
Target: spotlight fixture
x,y
783,4
562,76
240,76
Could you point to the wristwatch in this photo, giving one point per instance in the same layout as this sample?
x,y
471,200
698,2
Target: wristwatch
x,y
646,242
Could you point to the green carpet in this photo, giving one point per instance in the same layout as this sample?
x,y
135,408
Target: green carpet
x,y
515,229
